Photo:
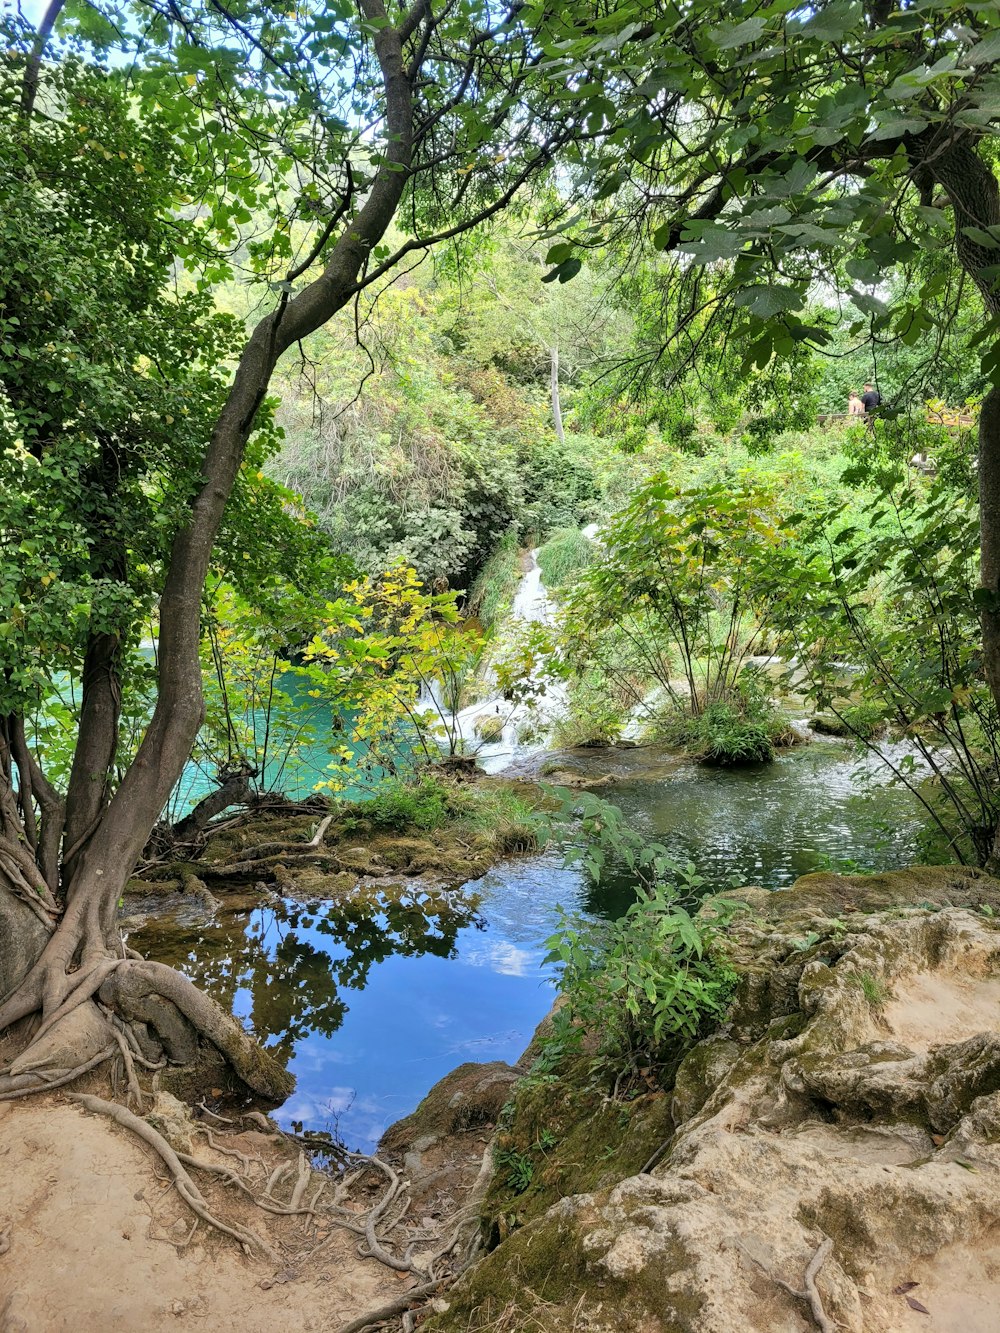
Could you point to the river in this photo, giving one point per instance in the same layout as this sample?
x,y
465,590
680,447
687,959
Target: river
x,y
376,997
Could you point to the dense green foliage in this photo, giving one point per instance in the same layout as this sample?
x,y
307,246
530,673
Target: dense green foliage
x,y
646,984
686,593
563,556
750,215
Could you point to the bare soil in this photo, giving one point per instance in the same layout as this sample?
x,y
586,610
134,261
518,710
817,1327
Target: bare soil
x,y
932,1008
97,1239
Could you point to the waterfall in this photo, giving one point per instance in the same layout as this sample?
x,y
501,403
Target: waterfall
x,y
524,725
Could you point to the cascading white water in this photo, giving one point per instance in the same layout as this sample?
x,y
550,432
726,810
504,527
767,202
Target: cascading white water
x,y
531,601
524,725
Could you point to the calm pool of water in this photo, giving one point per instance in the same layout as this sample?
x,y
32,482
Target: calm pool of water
x,y
376,998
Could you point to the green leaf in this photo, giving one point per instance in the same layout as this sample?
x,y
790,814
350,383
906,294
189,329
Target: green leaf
x,y
729,36
986,51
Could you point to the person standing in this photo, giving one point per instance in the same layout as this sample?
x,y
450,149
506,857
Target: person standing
x,y
855,407
870,399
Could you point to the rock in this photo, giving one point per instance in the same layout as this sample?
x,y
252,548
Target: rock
x,y
172,1119
471,1096
74,1040
854,1095
444,1146
15,1316
828,725
489,729
961,1075
565,777
700,1074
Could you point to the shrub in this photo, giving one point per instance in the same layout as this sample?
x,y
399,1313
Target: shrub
x,y
743,727
865,720
421,803
596,713
563,555
642,986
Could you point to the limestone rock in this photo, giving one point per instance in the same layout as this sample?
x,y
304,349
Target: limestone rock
x,y
74,1040
172,1119
854,1095
471,1095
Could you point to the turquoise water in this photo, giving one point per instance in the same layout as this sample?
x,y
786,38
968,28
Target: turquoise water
x,y
293,748
375,998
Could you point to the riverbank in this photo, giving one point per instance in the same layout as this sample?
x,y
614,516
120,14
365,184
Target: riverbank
x,y
447,826
828,1157
838,1136
375,986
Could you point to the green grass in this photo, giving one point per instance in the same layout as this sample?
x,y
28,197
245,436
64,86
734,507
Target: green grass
x,y
506,817
564,554
420,804
492,594
875,992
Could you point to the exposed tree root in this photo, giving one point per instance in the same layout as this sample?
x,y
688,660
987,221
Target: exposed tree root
x,y
185,1186
393,1308
150,992
23,1085
809,1293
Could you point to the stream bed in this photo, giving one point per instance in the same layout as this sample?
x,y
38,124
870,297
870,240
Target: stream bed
x,y
376,997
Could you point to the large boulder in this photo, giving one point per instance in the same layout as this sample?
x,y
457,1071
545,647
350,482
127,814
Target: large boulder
x,y
22,939
850,1109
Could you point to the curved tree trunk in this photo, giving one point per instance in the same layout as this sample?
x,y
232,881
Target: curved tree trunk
x,y
56,967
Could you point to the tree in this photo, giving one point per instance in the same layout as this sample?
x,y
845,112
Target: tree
x,y
768,148
295,141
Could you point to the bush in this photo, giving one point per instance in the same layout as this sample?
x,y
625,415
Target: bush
x,y
422,804
865,720
596,714
743,727
563,555
643,986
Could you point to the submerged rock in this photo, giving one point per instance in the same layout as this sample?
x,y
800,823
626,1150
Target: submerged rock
x,y
853,1096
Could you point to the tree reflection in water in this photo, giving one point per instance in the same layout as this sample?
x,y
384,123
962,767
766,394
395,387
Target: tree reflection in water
x,y
284,965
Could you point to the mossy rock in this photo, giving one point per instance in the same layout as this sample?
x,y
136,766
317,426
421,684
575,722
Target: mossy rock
x,y
576,1138
826,724
471,1095
827,894
489,729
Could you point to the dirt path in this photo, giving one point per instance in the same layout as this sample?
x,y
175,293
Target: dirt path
x,y
96,1241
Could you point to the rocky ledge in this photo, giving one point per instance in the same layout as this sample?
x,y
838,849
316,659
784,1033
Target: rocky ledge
x,y
829,1158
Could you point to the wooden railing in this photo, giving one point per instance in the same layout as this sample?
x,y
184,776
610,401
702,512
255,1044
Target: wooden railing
x,y
956,419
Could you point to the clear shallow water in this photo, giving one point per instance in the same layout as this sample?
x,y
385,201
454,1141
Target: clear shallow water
x,y
375,998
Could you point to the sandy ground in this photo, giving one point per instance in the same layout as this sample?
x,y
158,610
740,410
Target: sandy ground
x,y
95,1238
935,1008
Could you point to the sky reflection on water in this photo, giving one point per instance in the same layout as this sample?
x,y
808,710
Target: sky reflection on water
x,y
376,998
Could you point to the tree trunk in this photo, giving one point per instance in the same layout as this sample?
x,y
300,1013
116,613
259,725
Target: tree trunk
x,y
989,535
58,973
554,381
235,790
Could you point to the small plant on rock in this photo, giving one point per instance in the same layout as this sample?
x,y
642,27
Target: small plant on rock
x,y
642,986
875,992
519,1168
